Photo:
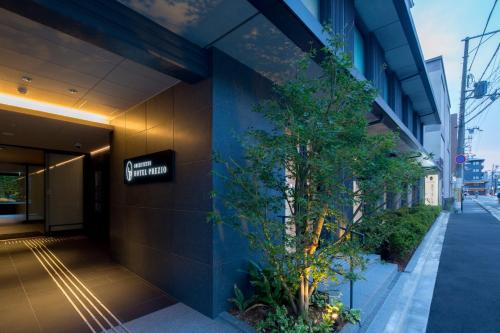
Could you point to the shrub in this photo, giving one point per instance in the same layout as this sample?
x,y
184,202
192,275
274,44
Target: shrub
x,y
280,321
395,234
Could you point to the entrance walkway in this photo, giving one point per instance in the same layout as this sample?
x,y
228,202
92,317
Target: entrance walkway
x,y
467,291
71,285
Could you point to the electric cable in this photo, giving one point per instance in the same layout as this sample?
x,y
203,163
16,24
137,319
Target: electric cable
x,y
489,62
484,30
483,42
481,111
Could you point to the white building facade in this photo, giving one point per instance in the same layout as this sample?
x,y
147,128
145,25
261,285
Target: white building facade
x,y
437,137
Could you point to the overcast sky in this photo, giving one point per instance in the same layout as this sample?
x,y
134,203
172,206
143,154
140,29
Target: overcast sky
x,y
441,25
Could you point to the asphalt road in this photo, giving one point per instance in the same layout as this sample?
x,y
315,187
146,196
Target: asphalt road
x,y
491,203
467,291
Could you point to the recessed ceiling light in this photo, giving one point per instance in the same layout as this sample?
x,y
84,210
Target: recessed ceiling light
x,y
26,79
72,91
22,90
8,133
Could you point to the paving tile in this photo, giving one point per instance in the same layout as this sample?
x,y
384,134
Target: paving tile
x,y
55,313
178,318
11,296
122,297
134,311
23,281
18,318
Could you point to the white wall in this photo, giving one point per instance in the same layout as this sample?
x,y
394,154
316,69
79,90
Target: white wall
x,y
437,137
432,190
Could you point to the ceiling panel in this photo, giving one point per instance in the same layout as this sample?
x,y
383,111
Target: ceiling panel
x,y
55,36
379,12
46,50
401,61
391,36
13,154
128,71
47,95
33,66
13,75
262,47
200,21
40,132
105,83
98,108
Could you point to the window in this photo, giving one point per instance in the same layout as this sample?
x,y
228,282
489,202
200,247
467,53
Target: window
x,y
312,6
12,188
385,84
359,51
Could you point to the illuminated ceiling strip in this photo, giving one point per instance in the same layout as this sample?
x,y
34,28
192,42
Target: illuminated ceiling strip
x,y
100,150
26,103
66,162
94,152
57,165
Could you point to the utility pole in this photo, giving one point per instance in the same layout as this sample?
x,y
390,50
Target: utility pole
x,y
493,184
461,129
461,122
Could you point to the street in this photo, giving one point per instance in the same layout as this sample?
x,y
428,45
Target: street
x,y
467,293
490,203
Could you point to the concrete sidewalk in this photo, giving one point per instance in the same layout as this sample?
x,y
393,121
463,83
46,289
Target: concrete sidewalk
x,y
406,308
467,292
179,318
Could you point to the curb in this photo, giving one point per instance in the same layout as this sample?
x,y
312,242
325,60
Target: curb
x,y
240,325
418,252
394,313
486,208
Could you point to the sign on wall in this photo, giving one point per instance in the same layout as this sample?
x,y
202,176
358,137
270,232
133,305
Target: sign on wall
x,y
459,159
151,168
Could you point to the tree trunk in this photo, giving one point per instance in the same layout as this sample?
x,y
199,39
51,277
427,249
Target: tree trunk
x,y
304,293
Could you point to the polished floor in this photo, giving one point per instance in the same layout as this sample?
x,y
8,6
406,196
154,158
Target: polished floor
x,y
69,285
15,226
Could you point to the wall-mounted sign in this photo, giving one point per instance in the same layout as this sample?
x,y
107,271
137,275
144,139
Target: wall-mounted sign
x,y
151,168
459,159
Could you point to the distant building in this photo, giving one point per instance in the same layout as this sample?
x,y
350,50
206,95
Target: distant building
x,y
436,137
474,176
453,141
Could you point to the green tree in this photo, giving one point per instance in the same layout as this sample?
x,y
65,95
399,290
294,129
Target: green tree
x,y
9,187
306,166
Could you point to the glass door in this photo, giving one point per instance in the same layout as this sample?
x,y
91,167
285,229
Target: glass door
x,y
35,210
64,203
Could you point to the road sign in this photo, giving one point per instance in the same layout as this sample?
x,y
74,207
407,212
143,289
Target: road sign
x,y
459,159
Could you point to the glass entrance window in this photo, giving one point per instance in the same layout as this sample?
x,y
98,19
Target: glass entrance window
x,y
13,195
12,199
36,193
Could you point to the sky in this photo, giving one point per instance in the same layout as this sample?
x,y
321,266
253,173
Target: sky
x,y
441,25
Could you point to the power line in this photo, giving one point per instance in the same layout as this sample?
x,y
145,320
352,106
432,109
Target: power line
x,y
489,62
484,41
481,111
484,30
470,111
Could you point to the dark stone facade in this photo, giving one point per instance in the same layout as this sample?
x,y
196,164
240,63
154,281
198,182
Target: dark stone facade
x,y
160,231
